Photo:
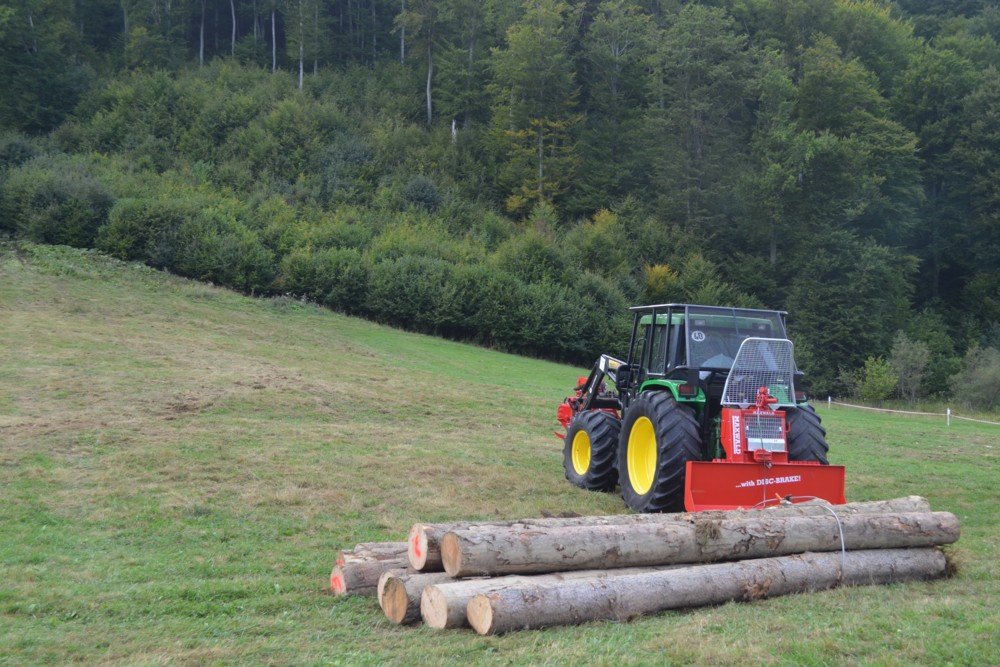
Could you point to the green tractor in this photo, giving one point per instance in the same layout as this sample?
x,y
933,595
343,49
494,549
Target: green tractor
x,y
706,412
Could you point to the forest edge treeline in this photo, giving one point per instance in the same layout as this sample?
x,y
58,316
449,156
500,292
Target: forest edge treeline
x,y
517,174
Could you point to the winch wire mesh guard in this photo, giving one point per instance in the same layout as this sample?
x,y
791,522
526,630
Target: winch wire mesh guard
x,y
761,362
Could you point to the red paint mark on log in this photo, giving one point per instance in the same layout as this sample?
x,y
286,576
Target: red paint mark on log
x,y
415,541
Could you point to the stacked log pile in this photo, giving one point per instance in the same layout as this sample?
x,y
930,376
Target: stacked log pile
x,y
502,576
358,570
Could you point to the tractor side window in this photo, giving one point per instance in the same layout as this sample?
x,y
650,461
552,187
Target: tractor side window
x,y
640,351
680,342
659,360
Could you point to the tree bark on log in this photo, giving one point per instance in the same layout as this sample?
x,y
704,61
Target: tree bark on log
x,y
539,550
424,541
361,578
400,590
366,551
443,605
620,598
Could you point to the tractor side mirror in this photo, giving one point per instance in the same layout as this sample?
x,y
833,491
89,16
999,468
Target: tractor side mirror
x,y
623,376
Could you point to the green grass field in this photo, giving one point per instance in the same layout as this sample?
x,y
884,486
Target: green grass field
x,y
179,466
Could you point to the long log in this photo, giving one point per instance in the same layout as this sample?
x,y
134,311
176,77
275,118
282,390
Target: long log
x,y
620,598
362,578
400,590
443,605
539,550
424,544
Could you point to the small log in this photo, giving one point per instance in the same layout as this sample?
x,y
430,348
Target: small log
x,y
424,542
366,551
384,578
621,598
400,590
443,605
361,578
538,550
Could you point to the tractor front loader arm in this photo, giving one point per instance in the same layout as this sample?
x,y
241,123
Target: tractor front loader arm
x,y
591,392
594,392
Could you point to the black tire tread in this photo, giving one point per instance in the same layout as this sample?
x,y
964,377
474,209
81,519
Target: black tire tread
x,y
806,435
678,441
603,429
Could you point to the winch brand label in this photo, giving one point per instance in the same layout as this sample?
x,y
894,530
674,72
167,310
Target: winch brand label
x,y
737,436
769,481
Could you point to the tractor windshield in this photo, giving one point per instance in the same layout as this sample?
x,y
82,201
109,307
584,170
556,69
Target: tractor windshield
x,y
714,335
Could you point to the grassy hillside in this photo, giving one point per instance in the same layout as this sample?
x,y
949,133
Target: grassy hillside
x,y
179,465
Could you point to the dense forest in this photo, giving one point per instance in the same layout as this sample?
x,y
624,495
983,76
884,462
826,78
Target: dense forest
x,y
516,174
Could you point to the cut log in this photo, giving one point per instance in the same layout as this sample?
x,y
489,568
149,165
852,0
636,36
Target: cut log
x,y
367,551
443,605
424,550
538,550
400,590
361,578
620,598
384,578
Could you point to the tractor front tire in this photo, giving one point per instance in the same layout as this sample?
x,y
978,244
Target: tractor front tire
x,y
806,435
589,450
658,438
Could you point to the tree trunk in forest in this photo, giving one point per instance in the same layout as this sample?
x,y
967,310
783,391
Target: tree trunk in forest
x,y
302,47
125,25
537,550
201,37
430,75
443,605
625,597
541,163
274,42
424,546
232,45
315,44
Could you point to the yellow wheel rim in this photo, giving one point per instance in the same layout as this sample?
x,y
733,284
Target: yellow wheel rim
x,y
581,452
642,455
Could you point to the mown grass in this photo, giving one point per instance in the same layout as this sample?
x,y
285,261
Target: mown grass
x,y
180,464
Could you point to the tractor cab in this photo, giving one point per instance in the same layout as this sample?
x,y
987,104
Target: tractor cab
x,y
690,349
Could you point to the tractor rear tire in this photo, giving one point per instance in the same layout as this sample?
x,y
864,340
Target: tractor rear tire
x,y
658,438
806,435
590,449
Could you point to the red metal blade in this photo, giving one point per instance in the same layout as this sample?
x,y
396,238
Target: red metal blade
x,y
723,485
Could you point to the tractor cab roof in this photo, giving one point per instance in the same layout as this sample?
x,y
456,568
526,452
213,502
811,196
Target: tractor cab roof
x,y
698,336
681,308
